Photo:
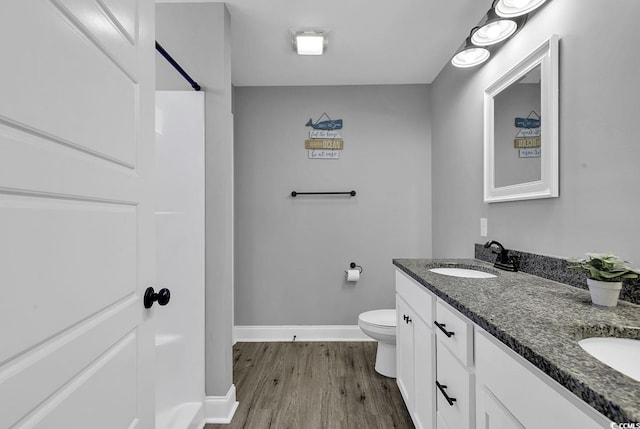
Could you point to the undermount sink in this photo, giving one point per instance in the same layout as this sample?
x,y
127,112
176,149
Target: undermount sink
x,y
620,354
462,272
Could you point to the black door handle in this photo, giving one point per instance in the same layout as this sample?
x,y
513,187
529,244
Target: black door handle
x,y
442,326
150,296
441,387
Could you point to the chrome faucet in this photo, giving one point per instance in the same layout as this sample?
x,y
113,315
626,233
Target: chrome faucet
x,y
503,260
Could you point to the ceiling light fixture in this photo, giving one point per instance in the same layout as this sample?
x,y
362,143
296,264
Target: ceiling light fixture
x,y
494,29
513,8
470,55
309,42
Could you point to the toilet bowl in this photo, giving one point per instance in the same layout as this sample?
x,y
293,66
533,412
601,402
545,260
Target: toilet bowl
x,y
381,326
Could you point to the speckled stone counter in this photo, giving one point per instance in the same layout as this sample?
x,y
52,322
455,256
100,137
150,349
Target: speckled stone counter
x,y
543,320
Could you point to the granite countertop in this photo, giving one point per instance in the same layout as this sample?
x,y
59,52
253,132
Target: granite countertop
x,y
543,320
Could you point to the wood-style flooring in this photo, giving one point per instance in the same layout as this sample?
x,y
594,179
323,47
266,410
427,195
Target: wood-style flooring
x,y
313,385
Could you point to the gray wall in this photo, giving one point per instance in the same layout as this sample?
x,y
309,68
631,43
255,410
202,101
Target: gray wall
x,y
292,252
197,35
599,145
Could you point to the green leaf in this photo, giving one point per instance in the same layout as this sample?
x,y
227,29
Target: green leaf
x,y
605,267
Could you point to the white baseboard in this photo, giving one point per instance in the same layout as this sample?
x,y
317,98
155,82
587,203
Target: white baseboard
x,y
299,333
220,409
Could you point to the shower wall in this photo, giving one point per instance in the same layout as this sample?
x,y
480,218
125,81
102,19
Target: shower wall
x,y
198,36
179,257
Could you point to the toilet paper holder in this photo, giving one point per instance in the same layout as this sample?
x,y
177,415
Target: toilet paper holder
x,y
354,266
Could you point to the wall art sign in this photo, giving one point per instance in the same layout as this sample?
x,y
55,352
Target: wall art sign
x,y
324,154
528,138
526,142
327,124
324,140
528,132
324,134
335,144
527,123
530,153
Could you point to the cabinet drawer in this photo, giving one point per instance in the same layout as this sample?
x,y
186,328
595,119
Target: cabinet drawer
x,y
459,336
421,300
459,386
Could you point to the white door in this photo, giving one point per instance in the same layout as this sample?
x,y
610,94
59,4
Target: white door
x,y
76,213
180,257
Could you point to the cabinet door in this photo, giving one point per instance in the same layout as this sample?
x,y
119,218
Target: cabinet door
x,y
491,414
546,403
404,353
424,375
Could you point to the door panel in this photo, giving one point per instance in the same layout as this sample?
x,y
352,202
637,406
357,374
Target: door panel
x,y
63,70
76,214
43,370
491,414
85,402
98,21
405,353
424,375
70,273
124,13
37,163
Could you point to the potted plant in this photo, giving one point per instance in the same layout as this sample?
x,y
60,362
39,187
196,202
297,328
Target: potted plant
x,y
605,272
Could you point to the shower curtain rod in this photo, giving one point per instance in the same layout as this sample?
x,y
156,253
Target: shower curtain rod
x,y
173,62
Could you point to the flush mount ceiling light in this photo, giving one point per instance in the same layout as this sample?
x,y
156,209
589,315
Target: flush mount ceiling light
x,y
470,55
309,42
513,8
494,29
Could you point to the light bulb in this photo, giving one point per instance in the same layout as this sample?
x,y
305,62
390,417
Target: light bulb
x,y
470,57
513,8
494,32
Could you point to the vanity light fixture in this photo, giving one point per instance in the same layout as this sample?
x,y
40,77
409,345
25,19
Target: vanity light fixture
x,y
309,42
501,22
494,29
513,8
470,55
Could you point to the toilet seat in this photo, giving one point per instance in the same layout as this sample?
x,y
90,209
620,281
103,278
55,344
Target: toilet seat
x,y
379,318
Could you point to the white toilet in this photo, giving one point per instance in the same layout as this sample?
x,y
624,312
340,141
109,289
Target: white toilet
x,y
381,326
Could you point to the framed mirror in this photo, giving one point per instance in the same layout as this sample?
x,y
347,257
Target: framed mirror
x,y
521,129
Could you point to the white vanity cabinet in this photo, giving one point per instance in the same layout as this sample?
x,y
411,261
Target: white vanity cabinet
x,y
512,393
417,358
420,357
493,386
415,349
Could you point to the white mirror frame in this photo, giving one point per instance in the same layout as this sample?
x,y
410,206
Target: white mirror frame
x,y
547,187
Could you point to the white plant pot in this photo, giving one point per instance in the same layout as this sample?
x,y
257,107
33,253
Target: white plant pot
x,y
604,293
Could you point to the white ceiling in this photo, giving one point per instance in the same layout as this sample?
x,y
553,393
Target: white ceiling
x,y
370,41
